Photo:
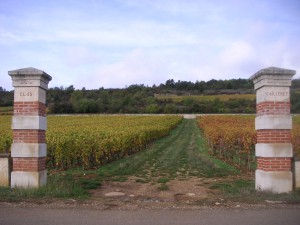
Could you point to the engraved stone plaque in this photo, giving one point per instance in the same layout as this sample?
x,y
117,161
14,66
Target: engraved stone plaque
x,y
29,94
273,94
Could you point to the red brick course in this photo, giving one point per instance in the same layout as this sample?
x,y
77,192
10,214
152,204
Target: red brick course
x,y
29,164
273,108
274,136
34,108
274,164
29,136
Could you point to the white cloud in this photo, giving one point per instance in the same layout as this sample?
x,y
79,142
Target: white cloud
x,y
80,56
8,38
138,67
236,53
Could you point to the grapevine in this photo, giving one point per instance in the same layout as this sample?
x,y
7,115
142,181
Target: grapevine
x,y
233,138
91,141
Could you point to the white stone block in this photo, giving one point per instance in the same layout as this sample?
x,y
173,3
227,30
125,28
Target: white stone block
x,y
28,179
273,122
297,174
30,77
275,182
28,150
4,172
272,76
273,94
29,94
29,122
30,82
271,81
189,116
274,150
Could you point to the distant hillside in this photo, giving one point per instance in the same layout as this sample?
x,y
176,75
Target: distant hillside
x,y
214,96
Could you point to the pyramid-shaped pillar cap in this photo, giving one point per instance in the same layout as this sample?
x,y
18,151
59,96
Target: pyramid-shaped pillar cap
x,y
273,76
30,77
274,71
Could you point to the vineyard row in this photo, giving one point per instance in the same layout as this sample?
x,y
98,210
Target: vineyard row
x,y
233,138
91,141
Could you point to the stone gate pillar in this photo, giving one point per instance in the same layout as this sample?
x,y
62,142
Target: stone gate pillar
x,y
29,125
273,124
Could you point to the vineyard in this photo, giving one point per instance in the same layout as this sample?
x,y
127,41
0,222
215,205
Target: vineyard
x,y
90,141
296,136
5,133
233,138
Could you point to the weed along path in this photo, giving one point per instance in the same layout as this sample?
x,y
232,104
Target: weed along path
x,y
175,171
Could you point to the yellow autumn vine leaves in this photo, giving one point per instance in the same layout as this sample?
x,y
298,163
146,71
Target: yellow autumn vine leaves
x,y
5,134
296,136
233,138
91,141
94,140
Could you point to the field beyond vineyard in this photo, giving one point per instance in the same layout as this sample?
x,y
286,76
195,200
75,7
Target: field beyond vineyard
x,y
223,97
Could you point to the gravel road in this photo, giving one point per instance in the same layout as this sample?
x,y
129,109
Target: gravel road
x,y
15,215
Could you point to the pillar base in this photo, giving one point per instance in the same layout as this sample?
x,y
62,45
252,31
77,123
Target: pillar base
x,y
28,179
275,182
4,170
297,174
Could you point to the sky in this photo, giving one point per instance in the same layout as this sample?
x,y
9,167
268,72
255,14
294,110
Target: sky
x,y
117,43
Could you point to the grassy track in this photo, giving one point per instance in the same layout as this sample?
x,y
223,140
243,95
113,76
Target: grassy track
x,y
180,155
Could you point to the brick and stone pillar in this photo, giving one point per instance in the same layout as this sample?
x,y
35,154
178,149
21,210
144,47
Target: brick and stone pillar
x,y
273,124
29,124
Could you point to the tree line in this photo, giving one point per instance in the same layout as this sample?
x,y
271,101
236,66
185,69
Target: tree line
x,y
139,98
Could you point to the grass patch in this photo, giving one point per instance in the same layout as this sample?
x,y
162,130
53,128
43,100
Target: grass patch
x,y
234,187
163,187
120,179
89,184
242,190
143,181
58,186
163,180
